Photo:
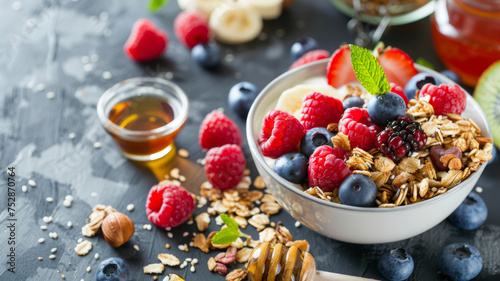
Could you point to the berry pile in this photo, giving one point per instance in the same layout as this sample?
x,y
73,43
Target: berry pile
x,y
401,138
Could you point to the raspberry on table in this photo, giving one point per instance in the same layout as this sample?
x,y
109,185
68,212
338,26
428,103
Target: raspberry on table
x,y
224,166
310,56
146,41
217,130
445,98
281,133
169,205
191,28
357,125
319,110
325,170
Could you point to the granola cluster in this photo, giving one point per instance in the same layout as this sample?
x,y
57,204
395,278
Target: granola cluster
x,y
416,178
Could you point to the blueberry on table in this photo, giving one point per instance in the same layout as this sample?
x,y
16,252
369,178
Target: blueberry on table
x,y
385,108
292,167
302,46
417,82
358,190
206,55
314,138
113,269
471,214
396,265
241,97
353,102
460,262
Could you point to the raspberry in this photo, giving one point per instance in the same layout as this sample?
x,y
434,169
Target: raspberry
x,y
310,57
357,125
445,98
217,130
399,91
146,41
325,170
281,132
224,166
341,153
191,28
319,110
400,138
169,205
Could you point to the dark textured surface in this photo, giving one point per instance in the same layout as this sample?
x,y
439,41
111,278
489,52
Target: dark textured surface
x,y
43,44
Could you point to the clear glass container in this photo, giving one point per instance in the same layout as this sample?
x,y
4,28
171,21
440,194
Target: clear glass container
x,y
466,35
143,115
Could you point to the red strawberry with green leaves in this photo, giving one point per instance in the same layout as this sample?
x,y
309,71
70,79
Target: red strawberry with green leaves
x,y
339,69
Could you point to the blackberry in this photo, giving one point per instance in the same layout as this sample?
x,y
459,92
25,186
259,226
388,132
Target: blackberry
x,y
400,138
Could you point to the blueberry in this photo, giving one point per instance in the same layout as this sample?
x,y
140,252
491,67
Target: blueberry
x,y
353,102
313,138
302,46
207,55
113,269
471,214
396,264
358,190
452,75
241,97
417,82
460,262
292,167
385,108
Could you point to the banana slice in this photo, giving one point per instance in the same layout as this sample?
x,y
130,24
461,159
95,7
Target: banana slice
x,y
207,6
235,24
268,9
291,99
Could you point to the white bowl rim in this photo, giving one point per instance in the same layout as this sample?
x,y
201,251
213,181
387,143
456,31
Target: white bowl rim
x,y
254,150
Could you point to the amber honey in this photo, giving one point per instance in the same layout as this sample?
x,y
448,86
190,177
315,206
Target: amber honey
x,y
143,113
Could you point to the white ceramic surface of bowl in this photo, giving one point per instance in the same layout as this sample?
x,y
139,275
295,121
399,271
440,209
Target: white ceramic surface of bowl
x,y
348,223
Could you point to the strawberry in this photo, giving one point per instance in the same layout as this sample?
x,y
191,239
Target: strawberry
x,y
146,41
397,65
339,69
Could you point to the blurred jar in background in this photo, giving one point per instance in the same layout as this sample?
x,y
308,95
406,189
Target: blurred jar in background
x,y
466,35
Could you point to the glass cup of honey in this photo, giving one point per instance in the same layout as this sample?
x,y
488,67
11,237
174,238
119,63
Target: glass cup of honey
x,y
143,115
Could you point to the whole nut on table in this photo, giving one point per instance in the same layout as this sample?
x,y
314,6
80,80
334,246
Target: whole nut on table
x,y
117,229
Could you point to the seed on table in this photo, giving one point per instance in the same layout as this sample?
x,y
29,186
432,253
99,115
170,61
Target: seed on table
x,y
52,257
185,234
32,183
43,227
96,256
297,224
71,136
193,269
53,250
97,144
107,75
147,227
170,235
24,188
47,219
89,268
49,199
136,248
41,240
130,207
50,95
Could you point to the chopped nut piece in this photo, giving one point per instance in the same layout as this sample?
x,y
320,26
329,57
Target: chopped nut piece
x,y
259,183
212,263
455,164
201,242
155,268
236,275
445,159
168,259
202,221
83,248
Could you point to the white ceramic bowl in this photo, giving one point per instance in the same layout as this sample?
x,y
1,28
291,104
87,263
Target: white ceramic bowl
x,y
348,223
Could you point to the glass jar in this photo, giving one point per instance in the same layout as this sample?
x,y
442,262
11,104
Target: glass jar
x,y
466,35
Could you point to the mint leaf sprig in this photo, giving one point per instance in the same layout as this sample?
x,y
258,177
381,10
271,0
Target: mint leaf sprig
x,y
368,71
156,5
228,234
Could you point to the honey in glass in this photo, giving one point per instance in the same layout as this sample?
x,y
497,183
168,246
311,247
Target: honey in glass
x,y
466,35
143,115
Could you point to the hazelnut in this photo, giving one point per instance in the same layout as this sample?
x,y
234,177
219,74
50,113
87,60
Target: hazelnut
x,y
117,229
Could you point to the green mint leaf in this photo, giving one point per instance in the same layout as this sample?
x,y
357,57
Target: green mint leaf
x,y
229,222
225,236
368,71
156,5
424,62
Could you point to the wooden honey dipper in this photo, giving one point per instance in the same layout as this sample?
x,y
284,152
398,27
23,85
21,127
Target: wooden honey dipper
x,y
277,262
